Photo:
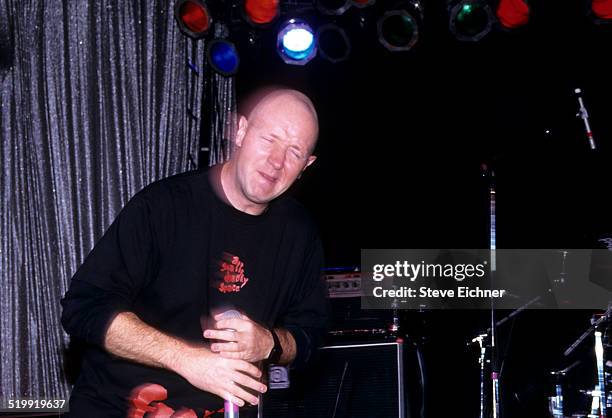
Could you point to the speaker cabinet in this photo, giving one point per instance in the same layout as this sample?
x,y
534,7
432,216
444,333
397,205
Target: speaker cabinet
x,y
348,381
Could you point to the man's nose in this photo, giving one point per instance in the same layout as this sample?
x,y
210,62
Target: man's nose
x,y
277,158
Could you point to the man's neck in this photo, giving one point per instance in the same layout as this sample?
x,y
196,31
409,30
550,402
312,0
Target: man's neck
x,y
229,189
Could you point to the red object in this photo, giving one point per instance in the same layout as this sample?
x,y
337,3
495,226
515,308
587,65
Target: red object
x,y
195,16
261,12
161,411
185,413
143,396
363,3
602,8
513,13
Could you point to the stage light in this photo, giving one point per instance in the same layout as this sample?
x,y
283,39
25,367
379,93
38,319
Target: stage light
x,y
192,17
333,43
470,20
223,57
602,9
513,14
260,12
333,7
398,30
363,3
296,42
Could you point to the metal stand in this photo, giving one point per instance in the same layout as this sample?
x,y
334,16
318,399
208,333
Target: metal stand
x,y
599,394
601,384
493,246
556,402
480,339
481,361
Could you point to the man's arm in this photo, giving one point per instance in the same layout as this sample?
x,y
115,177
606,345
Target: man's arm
x,y
130,338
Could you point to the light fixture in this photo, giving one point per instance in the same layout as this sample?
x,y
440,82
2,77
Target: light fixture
x,y
333,43
260,12
363,3
470,20
295,42
223,57
602,9
333,7
513,14
193,17
398,30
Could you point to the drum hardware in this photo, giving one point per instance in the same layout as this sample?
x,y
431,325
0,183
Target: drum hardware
x,y
555,403
600,398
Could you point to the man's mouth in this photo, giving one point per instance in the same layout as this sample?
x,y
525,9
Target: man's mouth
x,y
271,179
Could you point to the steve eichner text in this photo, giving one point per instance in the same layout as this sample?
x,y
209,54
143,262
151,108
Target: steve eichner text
x,y
413,271
426,292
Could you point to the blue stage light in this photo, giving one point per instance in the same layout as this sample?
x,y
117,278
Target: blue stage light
x,y
223,57
296,42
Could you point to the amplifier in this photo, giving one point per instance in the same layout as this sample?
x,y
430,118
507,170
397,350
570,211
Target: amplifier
x,y
348,381
344,285
349,322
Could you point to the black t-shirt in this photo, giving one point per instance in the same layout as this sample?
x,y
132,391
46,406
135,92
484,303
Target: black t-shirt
x,y
175,253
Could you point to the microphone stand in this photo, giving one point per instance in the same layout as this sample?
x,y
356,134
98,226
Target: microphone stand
x,y
481,361
480,339
584,115
495,398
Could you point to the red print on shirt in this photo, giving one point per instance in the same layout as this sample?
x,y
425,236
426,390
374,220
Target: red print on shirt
x,y
144,402
232,271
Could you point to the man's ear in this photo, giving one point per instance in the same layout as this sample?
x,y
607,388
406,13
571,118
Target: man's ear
x,y
242,128
310,160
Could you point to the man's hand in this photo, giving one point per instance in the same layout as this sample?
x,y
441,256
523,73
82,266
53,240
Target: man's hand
x,y
221,376
248,341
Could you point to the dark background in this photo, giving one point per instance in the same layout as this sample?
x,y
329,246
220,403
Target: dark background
x,y
403,137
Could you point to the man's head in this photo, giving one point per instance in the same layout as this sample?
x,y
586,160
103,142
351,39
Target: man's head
x,y
276,136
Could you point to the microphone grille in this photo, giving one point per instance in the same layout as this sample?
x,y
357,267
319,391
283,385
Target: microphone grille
x,y
232,313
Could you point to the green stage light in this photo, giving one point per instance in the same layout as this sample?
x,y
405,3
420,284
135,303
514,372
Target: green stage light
x,y
470,20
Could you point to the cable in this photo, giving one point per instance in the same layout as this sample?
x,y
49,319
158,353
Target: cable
x,y
340,388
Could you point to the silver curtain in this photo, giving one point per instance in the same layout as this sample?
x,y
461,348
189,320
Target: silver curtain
x,y
222,111
98,101
223,118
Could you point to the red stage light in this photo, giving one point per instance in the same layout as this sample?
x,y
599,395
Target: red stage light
x,y
261,12
192,17
363,3
513,14
602,8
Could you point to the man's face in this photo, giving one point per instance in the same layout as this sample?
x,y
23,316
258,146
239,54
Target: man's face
x,y
273,148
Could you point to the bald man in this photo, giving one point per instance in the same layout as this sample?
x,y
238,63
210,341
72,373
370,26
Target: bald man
x,y
151,300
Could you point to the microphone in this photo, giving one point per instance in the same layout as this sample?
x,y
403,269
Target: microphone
x,y
477,339
230,409
232,313
582,113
